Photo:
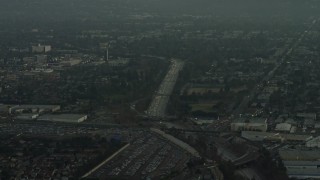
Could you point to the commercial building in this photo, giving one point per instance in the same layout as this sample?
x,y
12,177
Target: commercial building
x,y
255,124
70,118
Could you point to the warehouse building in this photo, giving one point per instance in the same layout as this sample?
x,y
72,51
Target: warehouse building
x,y
301,163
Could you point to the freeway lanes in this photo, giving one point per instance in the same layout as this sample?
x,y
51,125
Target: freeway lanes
x,y
161,98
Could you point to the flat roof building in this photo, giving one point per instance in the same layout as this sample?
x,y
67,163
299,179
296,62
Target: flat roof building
x,y
301,163
315,142
70,118
29,116
284,127
272,136
254,124
35,108
6,108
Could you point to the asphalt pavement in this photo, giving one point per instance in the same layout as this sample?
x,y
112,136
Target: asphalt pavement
x,y
161,98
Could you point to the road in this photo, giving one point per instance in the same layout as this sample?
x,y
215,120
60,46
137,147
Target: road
x,y
177,142
255,91
105,161
161,98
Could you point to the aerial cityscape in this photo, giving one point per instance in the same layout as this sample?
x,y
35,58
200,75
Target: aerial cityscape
x,y
160,89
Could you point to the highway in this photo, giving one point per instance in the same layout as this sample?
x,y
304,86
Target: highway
x,y
161,98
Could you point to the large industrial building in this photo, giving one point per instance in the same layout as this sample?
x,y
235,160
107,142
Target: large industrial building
x,y
254,124
69,118
301,163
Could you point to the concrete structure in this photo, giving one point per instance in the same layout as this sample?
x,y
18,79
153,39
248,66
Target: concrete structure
x,y
315,142
105,161
177,142
27,116
301,164
70,118
270,136
157,108
255,124
284,127
34,108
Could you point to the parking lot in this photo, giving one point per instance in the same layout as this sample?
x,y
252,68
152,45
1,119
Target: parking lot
x,y
147,156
